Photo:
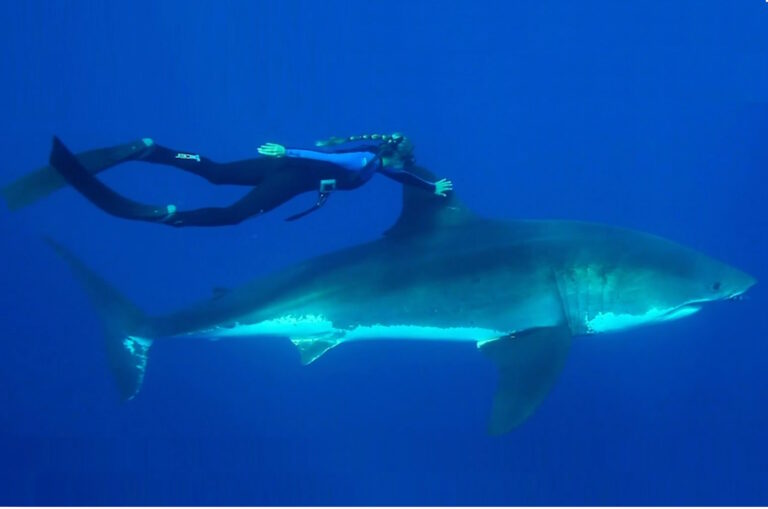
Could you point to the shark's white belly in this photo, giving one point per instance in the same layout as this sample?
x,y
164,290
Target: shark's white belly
x,y
309,327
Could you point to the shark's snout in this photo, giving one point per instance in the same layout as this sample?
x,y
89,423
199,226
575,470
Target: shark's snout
x,y
749,283
739,283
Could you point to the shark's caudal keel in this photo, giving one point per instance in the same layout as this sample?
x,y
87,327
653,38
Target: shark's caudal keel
x,y
520,290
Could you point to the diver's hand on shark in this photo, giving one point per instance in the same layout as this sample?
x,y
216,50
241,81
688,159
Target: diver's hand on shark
x,y
442,186
272,150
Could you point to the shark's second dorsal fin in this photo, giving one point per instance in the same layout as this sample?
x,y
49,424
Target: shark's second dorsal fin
x,y
424,211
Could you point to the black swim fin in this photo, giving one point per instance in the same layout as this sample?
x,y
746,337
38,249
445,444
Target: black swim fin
x,y
46,180
67,165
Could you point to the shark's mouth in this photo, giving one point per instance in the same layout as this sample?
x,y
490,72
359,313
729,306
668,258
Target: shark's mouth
x,y
694,306
681,311
738,295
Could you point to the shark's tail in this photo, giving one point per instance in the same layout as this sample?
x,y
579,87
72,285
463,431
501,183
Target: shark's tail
x,y
127,329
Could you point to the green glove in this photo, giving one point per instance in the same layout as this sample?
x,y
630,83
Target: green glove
x,y
272,150
442,186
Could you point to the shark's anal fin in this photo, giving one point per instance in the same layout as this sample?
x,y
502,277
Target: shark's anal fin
x,y
310,349
529,363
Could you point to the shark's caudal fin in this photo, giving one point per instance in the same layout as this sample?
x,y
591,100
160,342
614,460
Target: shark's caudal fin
x,y
529,363
126,328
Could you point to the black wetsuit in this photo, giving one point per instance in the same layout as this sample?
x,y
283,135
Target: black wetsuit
x,y
275,180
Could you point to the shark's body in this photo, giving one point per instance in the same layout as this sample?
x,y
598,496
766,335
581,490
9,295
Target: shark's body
x,y
519,289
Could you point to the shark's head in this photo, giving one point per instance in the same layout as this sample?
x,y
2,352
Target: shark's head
x,y
648,280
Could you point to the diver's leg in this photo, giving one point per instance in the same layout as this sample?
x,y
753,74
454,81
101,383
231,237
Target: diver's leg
x,y
273,192
247,172
44,181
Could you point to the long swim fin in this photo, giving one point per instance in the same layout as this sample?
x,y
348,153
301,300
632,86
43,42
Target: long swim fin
x,y
67,165
46,180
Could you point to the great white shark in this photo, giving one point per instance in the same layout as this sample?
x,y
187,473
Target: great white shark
x,y
519,290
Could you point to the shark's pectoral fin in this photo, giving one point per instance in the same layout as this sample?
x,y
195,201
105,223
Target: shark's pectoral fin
x,y
310,349
529,363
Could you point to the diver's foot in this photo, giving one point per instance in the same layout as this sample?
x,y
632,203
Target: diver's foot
x,y
103,158
137,149
148,147
170,212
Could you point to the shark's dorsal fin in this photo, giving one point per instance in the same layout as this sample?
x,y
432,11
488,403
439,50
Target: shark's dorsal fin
x,y
424,211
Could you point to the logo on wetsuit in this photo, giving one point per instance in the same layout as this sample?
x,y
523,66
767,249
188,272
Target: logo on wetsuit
x,y
192,157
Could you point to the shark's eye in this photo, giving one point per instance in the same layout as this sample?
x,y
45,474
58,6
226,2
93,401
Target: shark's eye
x,y
716,285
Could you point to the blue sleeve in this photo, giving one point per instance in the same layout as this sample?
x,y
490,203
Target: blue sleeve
x,y
410,179
349,160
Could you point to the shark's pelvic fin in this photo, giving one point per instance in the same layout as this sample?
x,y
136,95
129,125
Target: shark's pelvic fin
x,y
529,363
126,328
310,349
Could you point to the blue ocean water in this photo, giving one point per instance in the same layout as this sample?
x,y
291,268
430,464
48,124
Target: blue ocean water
x,y
649,115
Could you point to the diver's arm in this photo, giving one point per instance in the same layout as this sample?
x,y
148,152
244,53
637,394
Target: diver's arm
x,y
348,160
410,179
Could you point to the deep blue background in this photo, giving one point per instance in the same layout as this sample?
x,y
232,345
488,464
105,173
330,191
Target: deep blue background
x,y
650,115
